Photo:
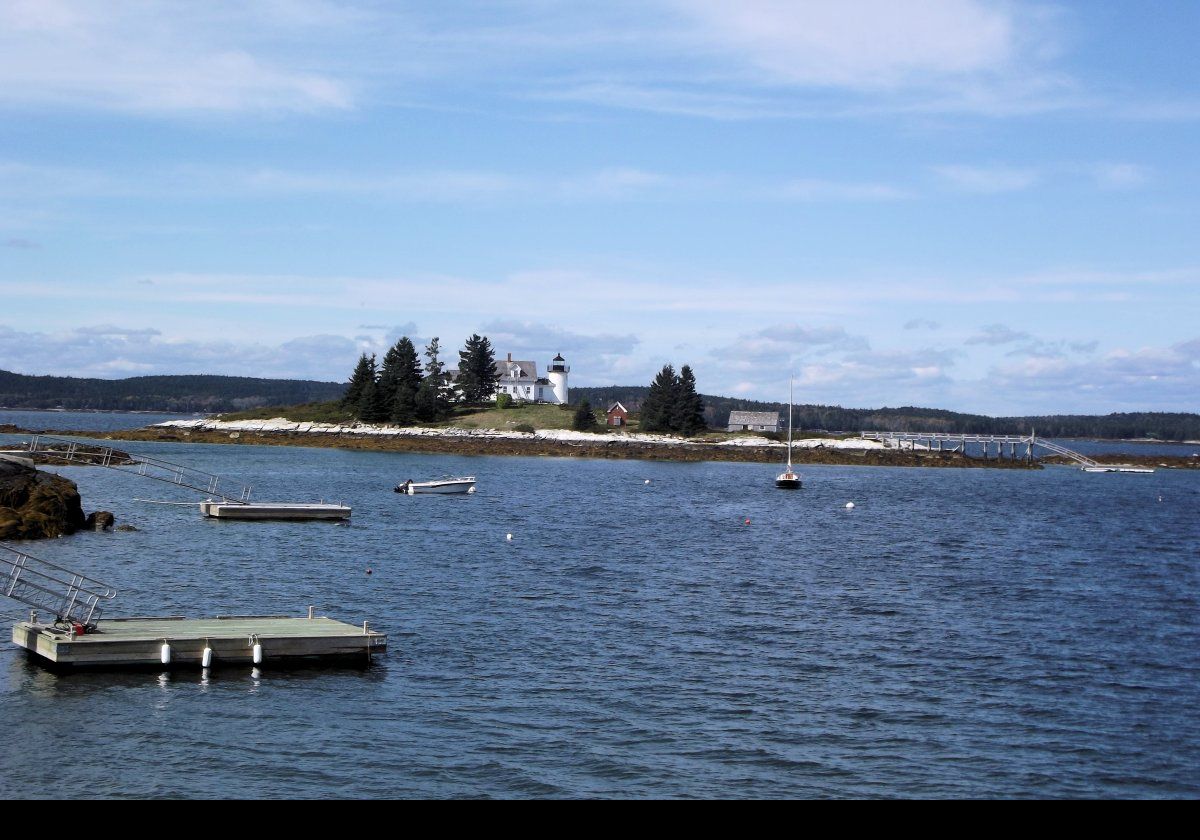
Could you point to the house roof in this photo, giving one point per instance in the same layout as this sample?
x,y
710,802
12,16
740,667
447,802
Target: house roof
x,y
528,369
615,406
754,418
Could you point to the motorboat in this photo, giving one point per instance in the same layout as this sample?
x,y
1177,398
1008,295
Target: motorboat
x,y
442,486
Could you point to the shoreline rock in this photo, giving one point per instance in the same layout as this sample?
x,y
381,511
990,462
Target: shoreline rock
x,y
36,504
551,443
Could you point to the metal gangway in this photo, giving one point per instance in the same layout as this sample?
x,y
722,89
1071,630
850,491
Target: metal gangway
x,y
77,452
69,596
936,441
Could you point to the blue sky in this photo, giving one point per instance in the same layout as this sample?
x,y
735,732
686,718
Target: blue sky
x,y
980,206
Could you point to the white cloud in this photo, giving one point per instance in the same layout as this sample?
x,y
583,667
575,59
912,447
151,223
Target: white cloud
x,y
987,180
868,44
156,57
107,351
1121,176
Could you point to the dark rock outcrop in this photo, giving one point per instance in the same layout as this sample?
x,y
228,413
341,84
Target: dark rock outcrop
x,y
35,504
100,520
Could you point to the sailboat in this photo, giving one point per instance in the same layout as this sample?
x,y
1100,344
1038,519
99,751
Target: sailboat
x,y
788,479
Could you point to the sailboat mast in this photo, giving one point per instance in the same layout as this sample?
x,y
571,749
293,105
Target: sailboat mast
x,y
789,423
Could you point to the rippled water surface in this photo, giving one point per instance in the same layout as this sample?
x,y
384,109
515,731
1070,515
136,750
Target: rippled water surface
x,y
959,632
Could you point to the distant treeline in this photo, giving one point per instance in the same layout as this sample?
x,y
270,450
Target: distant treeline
x,y
182,394
1159,425
214,394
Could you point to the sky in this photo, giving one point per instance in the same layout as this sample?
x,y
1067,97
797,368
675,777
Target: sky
x,y
964,204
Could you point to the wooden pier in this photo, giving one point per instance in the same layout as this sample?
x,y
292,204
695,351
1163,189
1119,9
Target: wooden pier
x,y
177,642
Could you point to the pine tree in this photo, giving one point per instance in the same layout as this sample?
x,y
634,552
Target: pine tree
x,y
656,413
432,402
477,375
584,419
373,405
364,372
687,415
399,380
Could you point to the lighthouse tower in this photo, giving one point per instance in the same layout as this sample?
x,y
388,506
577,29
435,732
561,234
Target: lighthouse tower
x,y
557,373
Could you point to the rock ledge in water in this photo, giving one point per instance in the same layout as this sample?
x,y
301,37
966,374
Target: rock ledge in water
x,y
35,504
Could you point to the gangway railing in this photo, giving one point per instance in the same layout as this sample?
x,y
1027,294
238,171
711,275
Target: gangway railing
x,y
77,452
1011,441
43,585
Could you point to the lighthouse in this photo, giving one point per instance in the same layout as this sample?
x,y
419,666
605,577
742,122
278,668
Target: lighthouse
x,y
557,373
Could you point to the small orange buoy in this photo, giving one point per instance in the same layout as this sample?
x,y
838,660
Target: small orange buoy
x,y
747,522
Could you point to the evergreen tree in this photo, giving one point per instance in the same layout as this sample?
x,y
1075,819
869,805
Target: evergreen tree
x,y
658,406
373,405
432,401
399,381
477,375
584,419
687,415
364,372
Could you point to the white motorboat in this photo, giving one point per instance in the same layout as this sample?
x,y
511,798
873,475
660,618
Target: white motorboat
x,y
788,479
441,486
1099,468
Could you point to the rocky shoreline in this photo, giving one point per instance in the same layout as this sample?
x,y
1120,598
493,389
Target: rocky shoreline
x,y
572,446
566,444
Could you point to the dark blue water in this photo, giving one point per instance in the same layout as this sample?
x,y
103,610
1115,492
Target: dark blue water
x,y
959,633
89,421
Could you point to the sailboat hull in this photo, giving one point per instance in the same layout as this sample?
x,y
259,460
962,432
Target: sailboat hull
x,y
787,483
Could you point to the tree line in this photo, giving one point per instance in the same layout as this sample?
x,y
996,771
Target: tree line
x,y
401,390
1165,426
183,394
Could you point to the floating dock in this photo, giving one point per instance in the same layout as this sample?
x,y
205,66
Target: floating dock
x,y
284,511
195,643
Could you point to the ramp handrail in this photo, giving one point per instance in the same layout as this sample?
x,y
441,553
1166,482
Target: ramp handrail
x,y
43,585
76,452
1014,440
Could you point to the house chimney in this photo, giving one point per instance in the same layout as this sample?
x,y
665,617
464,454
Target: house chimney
x,y
510,357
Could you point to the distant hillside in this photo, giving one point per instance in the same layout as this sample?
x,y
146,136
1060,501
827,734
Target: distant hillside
x,y
1159,425
223,394
183,394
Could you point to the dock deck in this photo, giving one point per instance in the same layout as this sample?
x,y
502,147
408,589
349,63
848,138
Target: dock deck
x,y
181,642
285,511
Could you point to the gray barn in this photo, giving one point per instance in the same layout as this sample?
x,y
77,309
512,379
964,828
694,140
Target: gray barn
x,y
753,421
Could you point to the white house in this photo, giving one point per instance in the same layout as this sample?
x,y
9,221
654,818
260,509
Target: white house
x,y
519,379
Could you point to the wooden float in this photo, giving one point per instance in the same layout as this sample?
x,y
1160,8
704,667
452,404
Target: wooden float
x,y
175,641
284,511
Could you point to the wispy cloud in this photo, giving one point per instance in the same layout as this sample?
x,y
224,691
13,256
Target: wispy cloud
x,y
159,57
987,180
108,351
1121,176
996,334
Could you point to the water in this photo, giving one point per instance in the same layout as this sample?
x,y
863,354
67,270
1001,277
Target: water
x,y
959,633
89,421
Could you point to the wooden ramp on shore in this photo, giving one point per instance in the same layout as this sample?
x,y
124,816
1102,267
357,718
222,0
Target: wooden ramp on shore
x,y
174,641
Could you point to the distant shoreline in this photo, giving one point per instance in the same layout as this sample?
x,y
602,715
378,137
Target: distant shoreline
x,y
552,443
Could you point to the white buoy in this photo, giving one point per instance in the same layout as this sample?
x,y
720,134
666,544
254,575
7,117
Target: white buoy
x,y
257,654
508,537
470,490
647,481
849,505
206,658
165,654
